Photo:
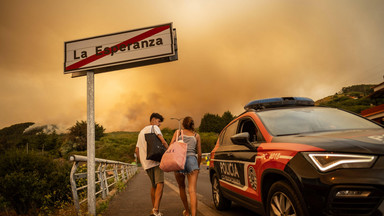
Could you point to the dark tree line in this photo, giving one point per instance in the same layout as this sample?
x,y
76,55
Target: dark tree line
x,y
45,138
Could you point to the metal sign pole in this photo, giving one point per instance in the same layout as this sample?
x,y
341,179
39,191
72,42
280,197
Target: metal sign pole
x,y
91,142
92,53
178,119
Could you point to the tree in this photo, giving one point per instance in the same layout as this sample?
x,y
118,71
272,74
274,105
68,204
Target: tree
x,y
210,123
215,123
78,134
226,118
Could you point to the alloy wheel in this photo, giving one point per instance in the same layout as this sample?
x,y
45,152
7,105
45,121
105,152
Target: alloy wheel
x,y
215,191
281,205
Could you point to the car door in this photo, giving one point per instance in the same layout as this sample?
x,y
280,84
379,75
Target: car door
x,y
248,158
236,163
229,170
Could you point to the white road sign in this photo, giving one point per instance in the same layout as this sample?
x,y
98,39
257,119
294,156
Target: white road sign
x,y
120,49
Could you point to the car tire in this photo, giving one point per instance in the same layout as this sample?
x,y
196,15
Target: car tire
x,y
282,200
221,203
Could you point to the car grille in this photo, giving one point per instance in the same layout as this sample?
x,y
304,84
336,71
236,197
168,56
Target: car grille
x,y
355,205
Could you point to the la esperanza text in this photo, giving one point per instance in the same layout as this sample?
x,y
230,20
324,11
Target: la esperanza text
x,y
123,47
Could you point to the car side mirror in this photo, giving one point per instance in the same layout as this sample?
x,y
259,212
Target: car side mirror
x,y
242,139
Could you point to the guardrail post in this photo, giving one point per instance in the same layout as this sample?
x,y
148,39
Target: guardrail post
x,y
73,186
122,172
131,171
105,178
127,168
102,183
115,173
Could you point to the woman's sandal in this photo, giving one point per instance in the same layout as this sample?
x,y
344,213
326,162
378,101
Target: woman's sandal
x,y
185,213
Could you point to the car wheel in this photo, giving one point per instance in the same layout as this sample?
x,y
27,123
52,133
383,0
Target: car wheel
x,y
221,203
282,200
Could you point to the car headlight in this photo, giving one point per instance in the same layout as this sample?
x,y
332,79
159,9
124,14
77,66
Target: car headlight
x,y
329,161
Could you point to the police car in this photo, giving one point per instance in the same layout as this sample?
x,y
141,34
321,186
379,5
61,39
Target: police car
x,y
285,156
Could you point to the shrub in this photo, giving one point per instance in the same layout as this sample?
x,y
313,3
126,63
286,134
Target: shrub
x,y
208,141
118,146
29,181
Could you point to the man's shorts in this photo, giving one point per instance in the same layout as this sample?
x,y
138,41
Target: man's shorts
x,y
156,175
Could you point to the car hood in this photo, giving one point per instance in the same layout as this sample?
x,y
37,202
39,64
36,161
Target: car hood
x,y
352,141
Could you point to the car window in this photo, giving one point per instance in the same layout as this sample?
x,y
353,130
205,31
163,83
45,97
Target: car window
x,y
247,125
221,137
230,131
311,120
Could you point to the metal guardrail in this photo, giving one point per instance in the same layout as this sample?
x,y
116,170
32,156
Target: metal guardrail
x,y
205,154
109,172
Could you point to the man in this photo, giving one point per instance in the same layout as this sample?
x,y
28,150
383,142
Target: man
x,y
156,175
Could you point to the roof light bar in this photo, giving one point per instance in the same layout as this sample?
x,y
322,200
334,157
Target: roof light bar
x,y
279,102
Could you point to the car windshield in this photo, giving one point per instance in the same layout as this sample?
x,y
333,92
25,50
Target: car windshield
x,y
311,120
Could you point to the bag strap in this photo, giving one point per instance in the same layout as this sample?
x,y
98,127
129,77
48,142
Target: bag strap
x,y
177,136
153,129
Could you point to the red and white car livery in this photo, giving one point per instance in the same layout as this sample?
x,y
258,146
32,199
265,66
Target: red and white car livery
x,y
284,156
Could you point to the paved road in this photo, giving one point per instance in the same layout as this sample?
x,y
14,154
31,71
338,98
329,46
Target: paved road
x,y
135,199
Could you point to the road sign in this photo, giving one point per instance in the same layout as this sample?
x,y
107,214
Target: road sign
x,y
121,50
110,52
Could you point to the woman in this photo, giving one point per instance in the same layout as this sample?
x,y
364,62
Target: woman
x,y
192,165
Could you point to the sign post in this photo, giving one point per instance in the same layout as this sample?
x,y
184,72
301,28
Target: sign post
x,y
89,56
91,143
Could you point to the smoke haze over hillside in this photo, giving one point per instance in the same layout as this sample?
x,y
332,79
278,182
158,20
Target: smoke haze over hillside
x,y
230,52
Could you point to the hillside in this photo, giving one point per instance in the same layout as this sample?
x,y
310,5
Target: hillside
x,y
353,98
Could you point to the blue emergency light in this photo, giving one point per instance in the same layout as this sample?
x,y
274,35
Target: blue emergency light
x,y
279,102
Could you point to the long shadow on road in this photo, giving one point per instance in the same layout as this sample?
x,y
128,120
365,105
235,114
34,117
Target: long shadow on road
x,y
204,194
135,199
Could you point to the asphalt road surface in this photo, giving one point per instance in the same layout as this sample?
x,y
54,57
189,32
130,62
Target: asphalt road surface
x,y
204,196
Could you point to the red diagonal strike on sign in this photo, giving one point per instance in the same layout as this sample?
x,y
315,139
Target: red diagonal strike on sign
x,y
135,39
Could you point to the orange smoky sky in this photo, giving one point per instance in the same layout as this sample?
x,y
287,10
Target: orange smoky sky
x,y
230,52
